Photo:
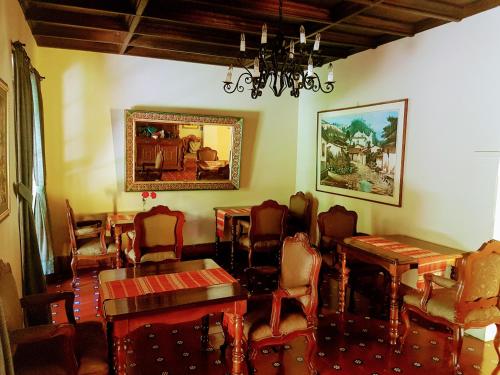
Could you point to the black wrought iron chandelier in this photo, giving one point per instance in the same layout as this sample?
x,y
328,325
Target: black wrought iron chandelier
x,y
281,65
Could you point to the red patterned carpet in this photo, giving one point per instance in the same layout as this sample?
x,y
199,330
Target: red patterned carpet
x,y
359,348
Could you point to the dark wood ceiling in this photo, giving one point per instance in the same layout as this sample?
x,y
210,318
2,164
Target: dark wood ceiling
x,y
208,31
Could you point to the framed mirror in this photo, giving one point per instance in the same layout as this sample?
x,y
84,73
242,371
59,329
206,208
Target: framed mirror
x,y
179,151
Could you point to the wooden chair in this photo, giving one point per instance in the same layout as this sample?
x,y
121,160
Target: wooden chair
x,y
334,225
152,171
299,214
207,154
472,301
51,349
294,303
158,236
87,241
266,229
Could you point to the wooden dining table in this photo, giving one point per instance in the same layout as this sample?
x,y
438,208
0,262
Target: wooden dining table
x,y
224,215
396,254
169,293
116,224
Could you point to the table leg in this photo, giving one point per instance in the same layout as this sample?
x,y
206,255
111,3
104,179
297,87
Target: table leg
x,y
237,355
233,241
344,277
111,352
394,310
120,360
118,243
204,331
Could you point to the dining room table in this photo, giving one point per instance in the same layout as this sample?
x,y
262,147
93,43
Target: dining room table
x,y
118,223
169,293
227,217
396,254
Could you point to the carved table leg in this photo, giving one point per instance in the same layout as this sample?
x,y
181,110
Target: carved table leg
x,y
237,355
120,360
118,243
233,242
111,353
204,332
394,310
344,277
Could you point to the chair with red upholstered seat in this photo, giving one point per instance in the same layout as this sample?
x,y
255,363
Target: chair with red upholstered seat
x,y
299,214
472,301
52,349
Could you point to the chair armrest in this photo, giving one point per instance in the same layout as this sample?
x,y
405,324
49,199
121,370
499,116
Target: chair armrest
x,y
88,223
442,281
39,334
48,298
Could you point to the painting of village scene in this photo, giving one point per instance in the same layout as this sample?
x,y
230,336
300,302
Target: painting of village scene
x,y
361,151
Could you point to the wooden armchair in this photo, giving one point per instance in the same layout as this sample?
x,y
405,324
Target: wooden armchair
x,y
470,302
87,241
294,303
50,349
151,171
158,236
299,214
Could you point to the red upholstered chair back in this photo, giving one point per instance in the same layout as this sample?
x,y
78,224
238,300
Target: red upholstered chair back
x,y
158,230
299,214
337,223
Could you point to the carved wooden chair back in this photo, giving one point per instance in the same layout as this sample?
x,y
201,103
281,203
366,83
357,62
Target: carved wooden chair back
x,y
267,222
158,235
207,154
337,223
299,213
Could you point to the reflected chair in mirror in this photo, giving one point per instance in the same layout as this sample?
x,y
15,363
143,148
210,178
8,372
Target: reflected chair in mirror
x,y
472,301
299,214
266,232
190,146
158,236
87,242
50,349
151,171
294,304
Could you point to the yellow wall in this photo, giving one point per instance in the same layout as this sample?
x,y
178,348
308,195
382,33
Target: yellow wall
x,y
13,27
85,95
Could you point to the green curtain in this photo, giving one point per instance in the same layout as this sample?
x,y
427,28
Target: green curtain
x,y
40,209
33,278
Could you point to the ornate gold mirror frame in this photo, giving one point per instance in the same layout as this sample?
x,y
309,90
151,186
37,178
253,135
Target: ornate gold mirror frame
x,y
179,151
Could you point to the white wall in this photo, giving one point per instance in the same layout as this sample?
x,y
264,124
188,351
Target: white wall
x,y
85,95
13,27
450,75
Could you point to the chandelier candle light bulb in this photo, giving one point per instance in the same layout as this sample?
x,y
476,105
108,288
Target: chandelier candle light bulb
x,y
263,38
310,66
229,76
302,35
316,42
242,42
330,73
256,72
292,49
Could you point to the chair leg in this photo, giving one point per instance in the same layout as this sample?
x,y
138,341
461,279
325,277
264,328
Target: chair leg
x,y
311,345
406,322
74,265
252,353
458,338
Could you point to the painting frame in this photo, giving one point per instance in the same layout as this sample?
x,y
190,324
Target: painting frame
x,y
360,151
4,155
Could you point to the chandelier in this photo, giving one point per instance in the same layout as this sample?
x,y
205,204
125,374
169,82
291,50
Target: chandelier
x,y
280,64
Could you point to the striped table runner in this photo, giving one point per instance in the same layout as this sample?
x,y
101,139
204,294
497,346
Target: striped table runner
x,y
139,286
221,217
428,261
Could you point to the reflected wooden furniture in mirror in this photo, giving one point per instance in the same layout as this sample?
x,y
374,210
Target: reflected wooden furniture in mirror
x,y
163,151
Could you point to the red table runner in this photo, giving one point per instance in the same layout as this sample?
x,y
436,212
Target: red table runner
x,y
221,217
428,261
138,286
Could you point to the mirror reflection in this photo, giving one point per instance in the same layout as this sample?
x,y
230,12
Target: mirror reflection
x,y
180,151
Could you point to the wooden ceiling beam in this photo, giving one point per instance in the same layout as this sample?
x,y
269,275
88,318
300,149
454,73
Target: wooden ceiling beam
x,y
85,45
424,8
96,6
71,32
480,6
381,25
70,18
141,5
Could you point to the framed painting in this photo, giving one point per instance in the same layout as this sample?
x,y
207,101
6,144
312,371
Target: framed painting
x,y
4,157
360,151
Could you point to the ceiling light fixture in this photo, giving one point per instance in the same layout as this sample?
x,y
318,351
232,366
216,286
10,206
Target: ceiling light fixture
x,y
281,63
